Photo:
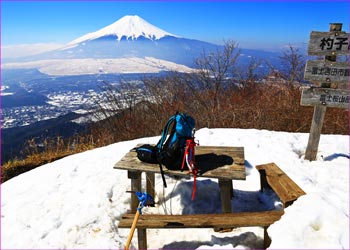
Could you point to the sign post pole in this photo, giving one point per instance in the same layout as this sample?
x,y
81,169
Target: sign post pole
x,y
319,113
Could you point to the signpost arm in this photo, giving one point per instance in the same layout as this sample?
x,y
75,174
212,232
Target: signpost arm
x,y
319,113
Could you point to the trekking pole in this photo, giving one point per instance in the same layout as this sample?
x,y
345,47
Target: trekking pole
x,y
143,198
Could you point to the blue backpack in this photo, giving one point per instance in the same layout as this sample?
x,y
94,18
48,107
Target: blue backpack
x,y
170,150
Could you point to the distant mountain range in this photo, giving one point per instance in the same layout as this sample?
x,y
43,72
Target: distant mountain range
x,y
130,45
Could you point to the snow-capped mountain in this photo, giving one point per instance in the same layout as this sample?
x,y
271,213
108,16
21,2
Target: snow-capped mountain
x,y
129,37
128,27
132,37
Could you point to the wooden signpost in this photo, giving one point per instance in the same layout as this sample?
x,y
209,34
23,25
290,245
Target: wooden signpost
x,y
328,75
334,73
334,42
332,98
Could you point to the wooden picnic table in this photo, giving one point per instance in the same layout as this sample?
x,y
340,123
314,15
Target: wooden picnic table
x,y
221,162
225,164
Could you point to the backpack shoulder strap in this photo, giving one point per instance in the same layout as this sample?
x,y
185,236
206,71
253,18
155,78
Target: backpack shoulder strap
x,y
162,141
165,132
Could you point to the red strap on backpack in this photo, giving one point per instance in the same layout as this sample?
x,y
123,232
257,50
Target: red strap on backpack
x,y
189,159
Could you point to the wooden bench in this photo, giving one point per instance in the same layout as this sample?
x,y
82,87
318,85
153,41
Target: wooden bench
x,y
228,220
241,219
271,176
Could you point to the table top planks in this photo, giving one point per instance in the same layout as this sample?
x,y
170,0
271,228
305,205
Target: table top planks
x,y
220,162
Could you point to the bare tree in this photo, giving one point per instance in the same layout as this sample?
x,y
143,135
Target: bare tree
x,y
115,105
247,74
293,63
214,69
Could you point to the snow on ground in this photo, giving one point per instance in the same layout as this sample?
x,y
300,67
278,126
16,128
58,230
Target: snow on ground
x,y
76,202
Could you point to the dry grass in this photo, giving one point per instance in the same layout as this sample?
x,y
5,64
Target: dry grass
x,y
49,151
273,107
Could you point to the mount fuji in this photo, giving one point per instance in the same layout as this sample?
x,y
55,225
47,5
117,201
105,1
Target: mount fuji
x,y
128,27
129,45
130,37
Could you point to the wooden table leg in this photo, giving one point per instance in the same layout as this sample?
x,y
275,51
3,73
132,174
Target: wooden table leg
x,y
267,239
142,233
150,179
231,189
135,177
225,194
142,238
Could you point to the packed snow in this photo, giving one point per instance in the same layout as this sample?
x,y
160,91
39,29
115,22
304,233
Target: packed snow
x,y
129,27
77,202
57,67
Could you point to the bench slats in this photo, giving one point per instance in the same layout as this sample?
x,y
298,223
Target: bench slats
x,y
286,189
228,220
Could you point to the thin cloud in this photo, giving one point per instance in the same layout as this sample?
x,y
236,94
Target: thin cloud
x,y
20,50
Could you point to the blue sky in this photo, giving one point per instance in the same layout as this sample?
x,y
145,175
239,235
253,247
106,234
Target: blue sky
x,y
269,24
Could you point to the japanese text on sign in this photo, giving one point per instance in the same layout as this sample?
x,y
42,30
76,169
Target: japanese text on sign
x,y
336,43
328,43
324,98
323,71
333,98
329,71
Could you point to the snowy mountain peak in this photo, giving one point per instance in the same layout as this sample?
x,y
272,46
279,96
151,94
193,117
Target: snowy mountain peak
x,y
129,27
